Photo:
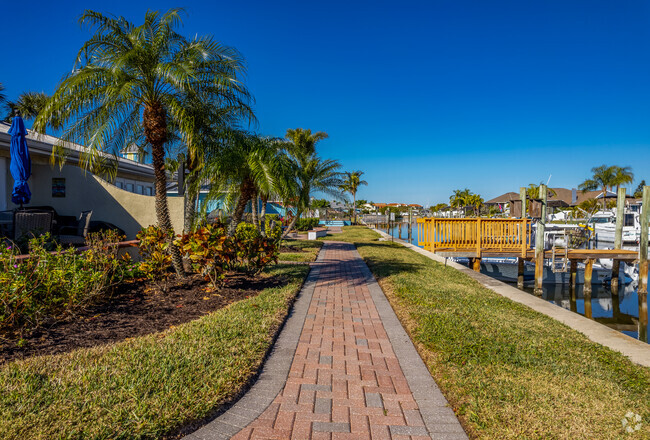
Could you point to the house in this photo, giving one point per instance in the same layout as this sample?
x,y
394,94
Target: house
x,y
127,201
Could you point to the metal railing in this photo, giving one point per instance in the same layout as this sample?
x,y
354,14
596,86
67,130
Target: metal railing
x,y
474,234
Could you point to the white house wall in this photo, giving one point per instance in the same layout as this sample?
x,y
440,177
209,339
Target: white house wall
x,y
85,191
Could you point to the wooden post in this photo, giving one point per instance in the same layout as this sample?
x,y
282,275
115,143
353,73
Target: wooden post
x,y
522,196
477,264
410,227
618,238
520,272
478,238
573,301
539,243
642,291
589,266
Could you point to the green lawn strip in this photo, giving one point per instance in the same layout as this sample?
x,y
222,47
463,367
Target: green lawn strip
x,y
509,372
147,386
307,250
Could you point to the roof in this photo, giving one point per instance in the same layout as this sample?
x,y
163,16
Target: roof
x,y
562,197
41,144
503,198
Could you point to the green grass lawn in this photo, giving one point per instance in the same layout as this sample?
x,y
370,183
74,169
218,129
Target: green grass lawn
x,y
148,386
305,250
508,371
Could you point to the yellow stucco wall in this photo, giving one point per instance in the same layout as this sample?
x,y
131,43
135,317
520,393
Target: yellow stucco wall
x,y
85,191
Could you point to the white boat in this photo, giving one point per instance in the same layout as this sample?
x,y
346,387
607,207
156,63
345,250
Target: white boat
x,y
605,227
506,269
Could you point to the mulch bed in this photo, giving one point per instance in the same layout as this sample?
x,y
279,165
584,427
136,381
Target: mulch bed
x,y
133,310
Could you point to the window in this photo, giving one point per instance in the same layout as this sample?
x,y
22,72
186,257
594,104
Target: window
x,y
119,184
129,187
139,189
148,191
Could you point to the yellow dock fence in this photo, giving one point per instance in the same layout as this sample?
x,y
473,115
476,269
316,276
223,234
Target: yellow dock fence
x,y
474,234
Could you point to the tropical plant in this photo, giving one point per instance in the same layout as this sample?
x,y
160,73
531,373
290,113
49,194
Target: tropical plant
x,y
351,183
605,178
437,207
312,172
29,105
156,259
475,201
638,192
319,203
3,97
459,198
130,83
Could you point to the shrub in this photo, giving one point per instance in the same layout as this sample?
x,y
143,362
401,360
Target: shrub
x,y
212,253
207,252
305,224
50,284
253,252
156,260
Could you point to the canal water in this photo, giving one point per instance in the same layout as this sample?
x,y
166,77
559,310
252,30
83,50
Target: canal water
x,y
618,312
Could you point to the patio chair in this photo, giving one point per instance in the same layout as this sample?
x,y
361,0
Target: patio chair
x,y
7,224
30,222
76,235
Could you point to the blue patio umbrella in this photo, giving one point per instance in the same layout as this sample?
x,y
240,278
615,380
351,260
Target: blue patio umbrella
x,y
21,164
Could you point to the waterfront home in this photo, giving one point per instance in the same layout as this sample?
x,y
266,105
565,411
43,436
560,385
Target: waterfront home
x,y
127,201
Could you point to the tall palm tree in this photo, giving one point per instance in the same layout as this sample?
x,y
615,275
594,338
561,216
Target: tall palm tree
x,y
131,82
351,183
304,141
476,201
623,176
459,198
604,178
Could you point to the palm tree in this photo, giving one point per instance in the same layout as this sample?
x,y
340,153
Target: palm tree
x,y
476,201
623,176
459,198
312,172
3,97
130,82
605,178
246,167
351,183
29,105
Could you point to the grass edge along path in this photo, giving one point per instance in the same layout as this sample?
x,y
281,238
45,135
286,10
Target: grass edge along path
x,y
508,372
149,386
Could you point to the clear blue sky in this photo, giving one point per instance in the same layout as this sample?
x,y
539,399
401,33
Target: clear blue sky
x,y
424,96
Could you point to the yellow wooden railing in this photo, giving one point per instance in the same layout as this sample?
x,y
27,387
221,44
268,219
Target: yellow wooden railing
x,y
474,234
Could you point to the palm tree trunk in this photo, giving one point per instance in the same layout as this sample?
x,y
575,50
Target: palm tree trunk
x,y
263,215
191,193
354,208
162,209
154,120
254,206
292,224
246,189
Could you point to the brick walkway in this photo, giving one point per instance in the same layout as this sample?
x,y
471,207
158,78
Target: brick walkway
x,y
345,381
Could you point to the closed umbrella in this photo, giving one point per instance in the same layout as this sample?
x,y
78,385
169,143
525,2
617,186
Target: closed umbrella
x,y
21,164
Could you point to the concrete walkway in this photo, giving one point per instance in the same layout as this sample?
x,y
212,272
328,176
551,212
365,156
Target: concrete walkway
x,y
354,375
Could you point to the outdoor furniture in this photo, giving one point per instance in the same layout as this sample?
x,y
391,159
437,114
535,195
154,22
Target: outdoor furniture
x,y
317,232
30,222
76,234
7,224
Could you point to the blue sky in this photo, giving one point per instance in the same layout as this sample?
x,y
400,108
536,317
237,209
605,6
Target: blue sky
x,y
423,96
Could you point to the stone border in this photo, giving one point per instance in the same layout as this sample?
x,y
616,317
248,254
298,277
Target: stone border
x,y
439,418
274,372
637,351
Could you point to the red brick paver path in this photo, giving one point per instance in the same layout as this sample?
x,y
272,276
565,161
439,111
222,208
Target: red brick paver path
x,y
345,381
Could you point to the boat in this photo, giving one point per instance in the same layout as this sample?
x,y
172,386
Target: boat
x,y
605,227
506,269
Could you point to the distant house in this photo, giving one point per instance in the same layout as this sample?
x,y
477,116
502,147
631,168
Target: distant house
x,y
127,202
563,197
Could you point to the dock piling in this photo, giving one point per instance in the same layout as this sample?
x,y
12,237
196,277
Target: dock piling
x,y
618,237
643,266
573,300
539,243
520,273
